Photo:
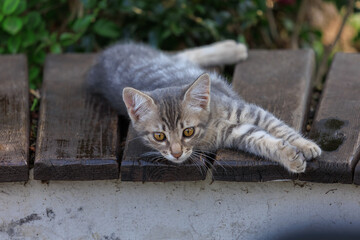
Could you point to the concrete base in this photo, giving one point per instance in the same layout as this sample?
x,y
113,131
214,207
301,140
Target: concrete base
x,y
180,210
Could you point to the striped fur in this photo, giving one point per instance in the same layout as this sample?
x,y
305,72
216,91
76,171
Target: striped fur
x,y
173,94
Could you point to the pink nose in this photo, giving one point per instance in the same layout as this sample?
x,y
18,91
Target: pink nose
x,y
176,150
176,154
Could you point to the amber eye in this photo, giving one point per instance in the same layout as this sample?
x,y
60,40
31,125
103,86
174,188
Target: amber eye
x,y
159,136
188,132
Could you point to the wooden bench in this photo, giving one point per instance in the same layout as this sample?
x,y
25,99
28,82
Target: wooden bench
x,y
77,133
14,118
79,136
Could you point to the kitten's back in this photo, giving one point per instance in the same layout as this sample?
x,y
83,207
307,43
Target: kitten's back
x,y
146,69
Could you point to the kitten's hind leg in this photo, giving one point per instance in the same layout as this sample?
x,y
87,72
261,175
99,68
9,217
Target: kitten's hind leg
x,y
219,53
255,140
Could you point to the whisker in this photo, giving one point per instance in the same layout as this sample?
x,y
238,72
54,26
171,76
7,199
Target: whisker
x,y
202,168
212,166
208,164
130,140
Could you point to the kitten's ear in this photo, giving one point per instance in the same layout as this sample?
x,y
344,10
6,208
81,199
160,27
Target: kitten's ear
x,y
138,104
198,94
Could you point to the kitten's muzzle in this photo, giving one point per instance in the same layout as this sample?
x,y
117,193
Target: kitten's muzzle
x,y
176,151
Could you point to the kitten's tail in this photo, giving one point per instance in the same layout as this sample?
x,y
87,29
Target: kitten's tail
x,y
219,53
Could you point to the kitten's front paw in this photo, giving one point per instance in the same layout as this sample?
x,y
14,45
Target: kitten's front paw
x,y
292,158
308,148
298,163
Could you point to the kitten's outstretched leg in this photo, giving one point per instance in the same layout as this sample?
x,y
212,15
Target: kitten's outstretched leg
x,y
265,120
255,140
219,53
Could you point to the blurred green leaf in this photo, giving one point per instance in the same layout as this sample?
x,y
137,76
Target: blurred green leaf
x,y
1,17
165,34
288,24
102,4
318,48
12,25
106,28
67,39
32,85
82,24
34,104
55,48
29,39
89,3
355,21
9,6
13,44
241,39
21,7
176,29
53,37
39,56
34,73
33,20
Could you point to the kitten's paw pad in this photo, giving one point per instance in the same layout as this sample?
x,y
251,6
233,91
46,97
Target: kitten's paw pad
x,y
297,164
292,158
308,148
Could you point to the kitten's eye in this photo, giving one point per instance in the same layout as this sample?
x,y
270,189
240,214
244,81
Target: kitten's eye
x,y
159,136
188,132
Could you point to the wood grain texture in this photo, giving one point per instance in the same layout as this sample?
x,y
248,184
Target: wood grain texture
x,y
280,82
14,118
336,125
77,134
136,166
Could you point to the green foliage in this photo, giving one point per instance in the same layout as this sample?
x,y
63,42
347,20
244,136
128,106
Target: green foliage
x,y
38,27
9,6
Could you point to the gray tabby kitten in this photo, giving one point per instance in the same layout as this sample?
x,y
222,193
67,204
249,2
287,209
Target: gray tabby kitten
x,y
179,110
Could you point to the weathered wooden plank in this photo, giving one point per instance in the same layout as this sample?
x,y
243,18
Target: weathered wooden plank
x,y
336,125
279,81
14,118
77,134
137,165
357,169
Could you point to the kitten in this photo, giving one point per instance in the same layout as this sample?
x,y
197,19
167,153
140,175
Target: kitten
x,y
179,110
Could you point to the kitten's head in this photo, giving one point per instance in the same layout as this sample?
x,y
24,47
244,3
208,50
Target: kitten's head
x,y
171,122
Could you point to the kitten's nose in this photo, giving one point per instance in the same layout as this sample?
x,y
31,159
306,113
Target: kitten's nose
x,y
176,155
176,150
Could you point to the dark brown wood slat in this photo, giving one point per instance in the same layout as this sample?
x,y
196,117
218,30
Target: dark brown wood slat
x,y
77,134
14,118
357,170
336,125
279,81
137,166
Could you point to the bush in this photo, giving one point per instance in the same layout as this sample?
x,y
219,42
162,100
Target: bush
x,y
38,27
